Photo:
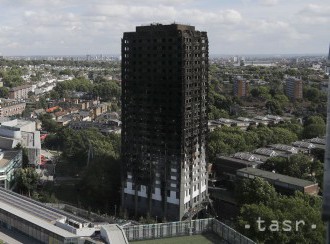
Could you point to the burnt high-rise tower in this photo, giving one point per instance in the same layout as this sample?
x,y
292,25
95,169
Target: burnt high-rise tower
x,y
164,120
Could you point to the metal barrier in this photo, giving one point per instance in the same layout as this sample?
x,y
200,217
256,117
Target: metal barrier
x,y
229,234
184,228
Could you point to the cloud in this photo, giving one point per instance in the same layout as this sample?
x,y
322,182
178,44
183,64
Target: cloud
x,y
314,14
268,2
85,26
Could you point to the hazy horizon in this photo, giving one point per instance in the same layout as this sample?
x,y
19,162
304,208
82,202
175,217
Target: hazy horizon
x,y
210,55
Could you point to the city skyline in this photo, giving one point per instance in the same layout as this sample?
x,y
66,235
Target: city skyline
x,y
246,27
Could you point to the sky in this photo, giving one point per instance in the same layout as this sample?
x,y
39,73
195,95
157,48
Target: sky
x,y
80,27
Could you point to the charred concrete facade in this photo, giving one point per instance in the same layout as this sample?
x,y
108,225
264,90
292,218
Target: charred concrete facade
x,y
164,120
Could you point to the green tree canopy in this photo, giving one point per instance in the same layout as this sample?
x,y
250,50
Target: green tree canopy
x,y
26,180
314,126
257,205
255,190
4,92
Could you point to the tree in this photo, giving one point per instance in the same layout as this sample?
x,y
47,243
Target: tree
x,y
266,215
281,99
274,107
275,164
265,135
48,123
26,180
314,120
314,126
4,92
224,141
101,183
255,92
314,130
255,190
298,165
215,113
293,126
283,136
312,94
25,158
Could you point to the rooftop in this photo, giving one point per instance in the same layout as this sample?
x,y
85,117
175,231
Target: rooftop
x,y
283,147
161,27
266,152
37,213
240,161
20,87
7,157
318,140
303,144
246,156
276,177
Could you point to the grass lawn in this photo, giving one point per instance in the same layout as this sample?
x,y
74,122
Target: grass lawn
x,y
194,239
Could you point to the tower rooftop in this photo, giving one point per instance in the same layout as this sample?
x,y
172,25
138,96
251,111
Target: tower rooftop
x,y
161,27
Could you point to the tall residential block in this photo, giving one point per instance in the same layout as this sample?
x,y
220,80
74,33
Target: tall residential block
x,y
241,87
294,88
20,92
164,120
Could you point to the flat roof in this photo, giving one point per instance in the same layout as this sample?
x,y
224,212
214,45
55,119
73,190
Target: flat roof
x,y
42,215
32,213
7,157
276,177
16,88
30,208
7,143
34,220
237,160
21,123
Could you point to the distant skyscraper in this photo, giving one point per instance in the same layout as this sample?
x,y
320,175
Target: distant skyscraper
x,y
294,88
326,184
241,87
164,120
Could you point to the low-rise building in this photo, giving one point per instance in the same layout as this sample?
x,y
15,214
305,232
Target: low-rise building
x,y
263,120
9,161
284,148
20,92
24,132
10,107
303,146
225,166
318,142
283,183
99,109
44,224
266,152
